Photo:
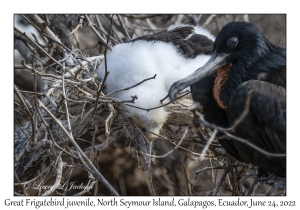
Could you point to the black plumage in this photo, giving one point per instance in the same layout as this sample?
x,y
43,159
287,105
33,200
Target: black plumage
x,y
190,45
202,92
247,65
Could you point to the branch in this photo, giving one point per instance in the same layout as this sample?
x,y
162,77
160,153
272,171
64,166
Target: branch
x,y
94,171
91,25
43,25
56,184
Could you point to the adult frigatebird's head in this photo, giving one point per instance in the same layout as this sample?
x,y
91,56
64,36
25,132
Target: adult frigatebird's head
x,y
241,52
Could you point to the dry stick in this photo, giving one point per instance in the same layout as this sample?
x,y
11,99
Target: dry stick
x,y
90,24
56,184
157,107
37,41
70,173
206,147
246,18
216,190
128,88
113,27
35,101
77,27
123,28
164,138
209,20
46,59
16,90
210,168
65,101
93,169
213,175
93,140
43,25
253,187
109,119
150,24
49,130
23,131
100,25
186,179
51,135
171,151
35,44
106,71
38,29
101,29
57,83
179,19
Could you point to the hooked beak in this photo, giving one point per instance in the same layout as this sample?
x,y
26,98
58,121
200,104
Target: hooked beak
x,y
216,61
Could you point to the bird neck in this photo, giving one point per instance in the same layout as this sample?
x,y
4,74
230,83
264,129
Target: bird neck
x,y
268,65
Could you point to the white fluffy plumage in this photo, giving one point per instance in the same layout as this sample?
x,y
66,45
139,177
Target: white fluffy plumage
x,y
130,63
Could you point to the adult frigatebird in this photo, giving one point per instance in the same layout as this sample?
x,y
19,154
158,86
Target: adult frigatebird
x,y
248,66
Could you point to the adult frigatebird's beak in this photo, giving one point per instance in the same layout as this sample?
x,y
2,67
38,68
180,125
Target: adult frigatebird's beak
x,y
216,61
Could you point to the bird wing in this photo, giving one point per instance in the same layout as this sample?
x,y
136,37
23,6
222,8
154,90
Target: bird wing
x,y
185,39
264,124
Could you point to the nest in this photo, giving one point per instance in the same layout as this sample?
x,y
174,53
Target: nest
x,y
72,139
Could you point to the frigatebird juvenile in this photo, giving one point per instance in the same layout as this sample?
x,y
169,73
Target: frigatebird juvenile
x,y
247,67
170,54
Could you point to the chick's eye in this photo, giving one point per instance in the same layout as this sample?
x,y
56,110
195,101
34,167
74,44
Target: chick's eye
x,y
144,130
232,42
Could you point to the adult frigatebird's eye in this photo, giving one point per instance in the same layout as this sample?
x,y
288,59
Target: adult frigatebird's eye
x,y
232,42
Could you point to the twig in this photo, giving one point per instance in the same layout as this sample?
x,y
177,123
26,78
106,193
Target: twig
x,y
210,168
56,184
93,140
16,90
43,26
212,137
65,101
209,20
38,46
77,27
106,71
218,185
109,119
157,107
94,171
171,151
90,24
128,88
19,181
123,28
